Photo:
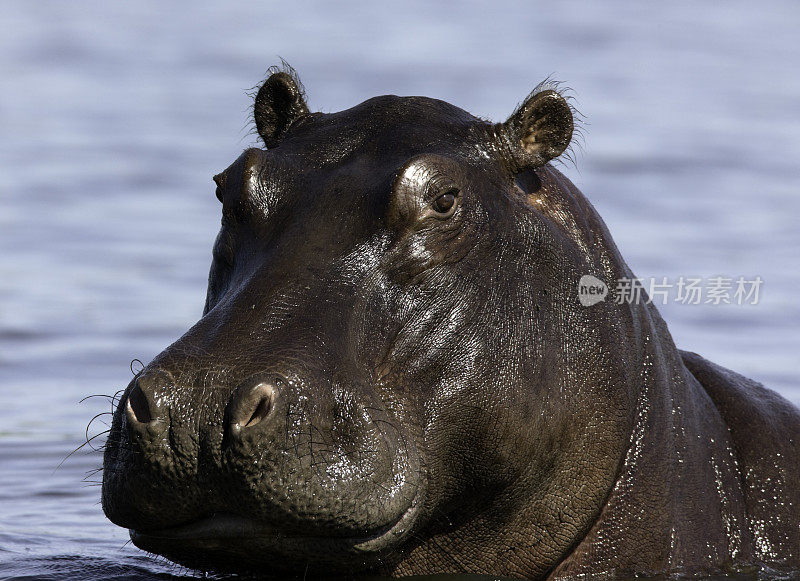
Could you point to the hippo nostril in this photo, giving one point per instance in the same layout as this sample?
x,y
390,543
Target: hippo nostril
x,y
138,407
260,412
251,406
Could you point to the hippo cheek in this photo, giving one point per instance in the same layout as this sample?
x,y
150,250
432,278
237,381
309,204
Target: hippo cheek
x,y
330,483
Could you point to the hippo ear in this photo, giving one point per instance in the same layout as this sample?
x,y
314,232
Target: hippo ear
x,y
279,102
540,129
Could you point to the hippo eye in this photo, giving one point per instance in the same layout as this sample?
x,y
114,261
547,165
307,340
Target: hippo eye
x,y
446,203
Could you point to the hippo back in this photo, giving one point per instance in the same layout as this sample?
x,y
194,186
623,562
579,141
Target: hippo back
x,y
764,428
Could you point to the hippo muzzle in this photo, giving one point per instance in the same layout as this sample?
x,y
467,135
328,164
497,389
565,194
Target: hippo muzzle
x,y
299,472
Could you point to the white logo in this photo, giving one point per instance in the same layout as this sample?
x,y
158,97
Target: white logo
x,y
591,290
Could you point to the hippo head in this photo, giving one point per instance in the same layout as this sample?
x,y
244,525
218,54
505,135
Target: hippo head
x,y
393,372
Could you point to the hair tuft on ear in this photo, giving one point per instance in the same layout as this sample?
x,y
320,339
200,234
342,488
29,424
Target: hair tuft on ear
x,y
279,101
541,128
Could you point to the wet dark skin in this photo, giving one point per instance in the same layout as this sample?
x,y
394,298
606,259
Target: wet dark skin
x,y
394,375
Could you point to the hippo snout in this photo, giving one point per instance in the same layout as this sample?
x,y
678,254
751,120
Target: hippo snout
x,y
274,452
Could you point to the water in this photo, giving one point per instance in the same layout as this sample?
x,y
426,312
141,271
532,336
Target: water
x,y
115,116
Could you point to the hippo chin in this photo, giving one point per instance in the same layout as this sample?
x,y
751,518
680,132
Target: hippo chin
x,y
394,374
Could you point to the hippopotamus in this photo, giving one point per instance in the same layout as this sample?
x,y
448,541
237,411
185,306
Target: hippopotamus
x,y
394,375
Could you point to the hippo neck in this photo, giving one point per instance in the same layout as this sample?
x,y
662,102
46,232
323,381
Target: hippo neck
x,y
679,485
